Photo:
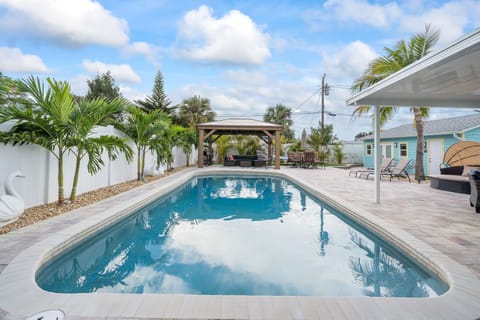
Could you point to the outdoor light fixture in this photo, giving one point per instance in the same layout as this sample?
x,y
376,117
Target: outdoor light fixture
x,y
396,145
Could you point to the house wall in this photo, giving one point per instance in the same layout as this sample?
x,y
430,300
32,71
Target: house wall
x,y
40,185
447,141
472,135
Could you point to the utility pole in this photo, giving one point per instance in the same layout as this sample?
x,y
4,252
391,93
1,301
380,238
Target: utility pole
x,y
323,98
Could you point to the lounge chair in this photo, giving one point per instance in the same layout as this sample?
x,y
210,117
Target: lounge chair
x,y
399,170
385,165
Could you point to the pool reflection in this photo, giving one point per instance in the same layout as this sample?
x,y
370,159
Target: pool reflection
x,y
249,236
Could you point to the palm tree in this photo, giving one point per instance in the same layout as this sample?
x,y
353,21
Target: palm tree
x,y
88,114
222,144
281,115
246,145
147,131
195,110
187,137
321,138
45,120
403,54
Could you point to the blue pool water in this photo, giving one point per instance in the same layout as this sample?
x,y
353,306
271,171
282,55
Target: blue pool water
x,y
242,236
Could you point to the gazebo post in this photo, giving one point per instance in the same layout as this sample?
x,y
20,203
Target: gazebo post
x,y
200,148
277,149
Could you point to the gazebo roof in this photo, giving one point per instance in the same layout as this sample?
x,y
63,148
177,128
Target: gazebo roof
x,y
240,124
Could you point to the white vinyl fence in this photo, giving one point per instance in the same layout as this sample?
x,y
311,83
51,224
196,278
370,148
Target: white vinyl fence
x,y
40,186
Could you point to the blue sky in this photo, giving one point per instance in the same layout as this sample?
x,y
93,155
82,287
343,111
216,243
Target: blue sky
x,y
242,55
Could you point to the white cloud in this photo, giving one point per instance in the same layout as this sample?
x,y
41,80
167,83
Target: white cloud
x,y
132,94
233,38
79,84
120,72
72,23
143,48
14,60
452,18
348,62
363,12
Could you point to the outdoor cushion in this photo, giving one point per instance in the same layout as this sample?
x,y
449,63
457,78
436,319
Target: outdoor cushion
x,y
467,169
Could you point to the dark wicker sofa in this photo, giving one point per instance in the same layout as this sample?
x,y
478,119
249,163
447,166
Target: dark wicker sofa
x,y
238,160
451,179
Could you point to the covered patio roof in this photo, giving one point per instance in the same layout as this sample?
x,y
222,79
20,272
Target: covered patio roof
x,y
268,132
447,78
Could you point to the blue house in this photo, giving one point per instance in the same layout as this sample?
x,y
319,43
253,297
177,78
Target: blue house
x,y
401,142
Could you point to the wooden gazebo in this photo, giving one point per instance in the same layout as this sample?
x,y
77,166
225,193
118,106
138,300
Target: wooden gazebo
x,y
210,131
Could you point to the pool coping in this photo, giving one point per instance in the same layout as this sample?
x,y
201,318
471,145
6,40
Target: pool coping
x,y
20,296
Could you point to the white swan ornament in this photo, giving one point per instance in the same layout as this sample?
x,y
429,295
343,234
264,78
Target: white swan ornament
x,y
11,203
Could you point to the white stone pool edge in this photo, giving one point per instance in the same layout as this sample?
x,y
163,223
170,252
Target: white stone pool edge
x,y
21,297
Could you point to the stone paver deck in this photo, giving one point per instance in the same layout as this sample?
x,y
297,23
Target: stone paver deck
x,y
439,219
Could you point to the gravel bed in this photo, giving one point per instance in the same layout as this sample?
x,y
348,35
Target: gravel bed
x,y
43,212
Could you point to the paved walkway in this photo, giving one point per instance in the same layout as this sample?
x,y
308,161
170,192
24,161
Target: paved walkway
x,y
441,219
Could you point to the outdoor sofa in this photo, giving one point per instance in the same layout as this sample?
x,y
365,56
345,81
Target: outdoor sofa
x,y
453,179
246,160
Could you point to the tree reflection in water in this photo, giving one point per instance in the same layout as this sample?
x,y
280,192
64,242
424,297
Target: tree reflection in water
x,y
261,236
382,275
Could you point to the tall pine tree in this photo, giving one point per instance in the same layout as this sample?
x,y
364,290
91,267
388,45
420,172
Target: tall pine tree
x,y
158,99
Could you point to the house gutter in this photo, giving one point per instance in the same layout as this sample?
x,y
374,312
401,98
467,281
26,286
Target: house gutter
x,y
456,136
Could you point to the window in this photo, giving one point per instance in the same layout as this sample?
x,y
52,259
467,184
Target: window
x,y
403,150
369,149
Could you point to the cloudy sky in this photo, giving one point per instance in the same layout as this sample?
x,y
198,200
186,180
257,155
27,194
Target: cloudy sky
x,y
242,55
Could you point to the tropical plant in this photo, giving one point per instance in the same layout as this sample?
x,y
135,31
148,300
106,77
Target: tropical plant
x,y
281,115
195,110
103,86
187,138
295,146
46,122
158,99
338,152
9,93
360,135
320,139
147,131
403,54
86,116
246,145
222,144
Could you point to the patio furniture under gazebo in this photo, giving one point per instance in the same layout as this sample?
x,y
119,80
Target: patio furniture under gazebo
x,y
210,131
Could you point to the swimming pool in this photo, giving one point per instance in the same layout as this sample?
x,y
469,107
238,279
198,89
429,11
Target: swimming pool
x,y
238,236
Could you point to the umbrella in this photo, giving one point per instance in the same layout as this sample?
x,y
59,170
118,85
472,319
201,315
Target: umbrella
x,y
303,140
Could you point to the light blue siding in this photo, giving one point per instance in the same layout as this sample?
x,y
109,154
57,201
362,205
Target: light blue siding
x,y
472,135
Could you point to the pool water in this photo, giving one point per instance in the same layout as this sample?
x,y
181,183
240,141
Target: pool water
x,y
237,236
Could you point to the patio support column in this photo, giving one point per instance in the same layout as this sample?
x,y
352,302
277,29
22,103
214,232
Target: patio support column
x,y
277,149
200,148
377,153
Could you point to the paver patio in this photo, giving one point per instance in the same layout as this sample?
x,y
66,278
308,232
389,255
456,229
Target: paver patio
x,y
443,220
